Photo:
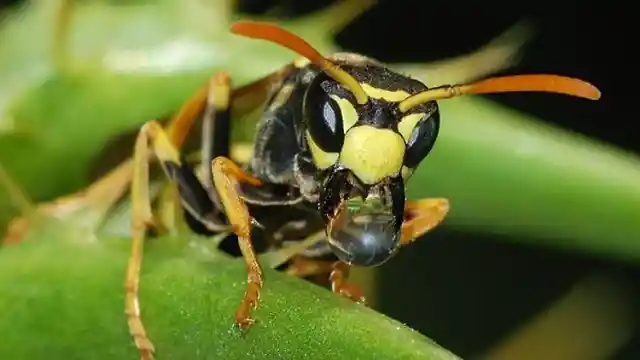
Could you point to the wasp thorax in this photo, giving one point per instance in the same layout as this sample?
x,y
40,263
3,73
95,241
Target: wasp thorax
x,y
372,154
364,232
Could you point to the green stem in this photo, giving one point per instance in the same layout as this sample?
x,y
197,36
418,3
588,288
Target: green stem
x,y
507,173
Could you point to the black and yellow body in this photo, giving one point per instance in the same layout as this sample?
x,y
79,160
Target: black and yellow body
x,y
298,153
337,140
324,188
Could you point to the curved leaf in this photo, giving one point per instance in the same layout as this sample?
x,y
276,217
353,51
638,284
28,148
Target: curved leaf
x,y
62,297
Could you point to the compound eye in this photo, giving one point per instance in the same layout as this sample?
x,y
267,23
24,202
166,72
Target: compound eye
x,y
324,118
421,140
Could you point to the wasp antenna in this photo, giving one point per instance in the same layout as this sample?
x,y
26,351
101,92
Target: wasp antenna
x,y
280,36
517,83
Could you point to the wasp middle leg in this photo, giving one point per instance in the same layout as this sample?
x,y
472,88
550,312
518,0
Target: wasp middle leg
x,y
226,177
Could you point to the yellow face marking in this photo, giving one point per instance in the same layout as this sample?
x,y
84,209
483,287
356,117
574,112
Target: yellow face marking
x,y
349,113
372,154
321,158
281,97
408,123
388,95
301,62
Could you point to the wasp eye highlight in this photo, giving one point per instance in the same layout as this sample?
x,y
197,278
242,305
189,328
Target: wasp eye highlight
x,y
324,119
364,233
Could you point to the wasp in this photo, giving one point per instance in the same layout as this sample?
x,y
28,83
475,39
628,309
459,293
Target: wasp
x,y
337,141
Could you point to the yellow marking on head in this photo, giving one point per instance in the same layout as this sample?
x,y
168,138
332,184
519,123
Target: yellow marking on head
x,y
301,62
406,173
281,97
321,158
349,113
372,154
407,124
388,95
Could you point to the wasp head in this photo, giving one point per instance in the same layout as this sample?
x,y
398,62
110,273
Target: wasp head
x,y
365,153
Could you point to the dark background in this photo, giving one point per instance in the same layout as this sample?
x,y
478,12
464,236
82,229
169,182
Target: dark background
x,y
495,285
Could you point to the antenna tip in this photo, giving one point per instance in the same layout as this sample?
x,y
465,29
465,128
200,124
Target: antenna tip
x,y
594,93
582,89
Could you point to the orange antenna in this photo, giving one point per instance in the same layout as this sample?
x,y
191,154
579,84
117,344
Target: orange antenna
x,y
517,83
280,36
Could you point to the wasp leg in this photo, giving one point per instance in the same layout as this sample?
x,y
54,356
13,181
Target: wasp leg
x,y
421,216
227,176
194,198
315,270
319,270
97,198
302,266
216,127
326,272
142,219
339,284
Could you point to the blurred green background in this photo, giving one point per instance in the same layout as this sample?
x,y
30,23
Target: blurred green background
x,y
538,259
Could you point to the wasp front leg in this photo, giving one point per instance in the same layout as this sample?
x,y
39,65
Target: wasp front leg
x,y
223,178
227,176
421,216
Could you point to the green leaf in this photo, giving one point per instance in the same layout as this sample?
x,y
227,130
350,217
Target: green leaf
x,y
63,296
